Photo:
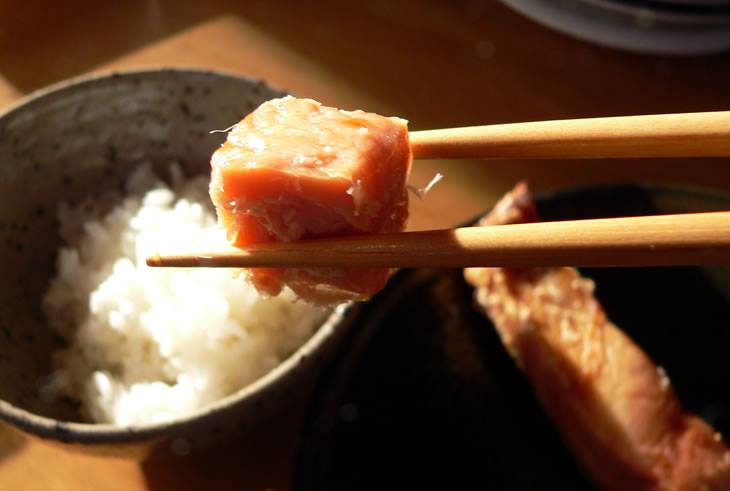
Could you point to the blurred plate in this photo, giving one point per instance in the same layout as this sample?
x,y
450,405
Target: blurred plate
x,y
423,396
678,11
629,25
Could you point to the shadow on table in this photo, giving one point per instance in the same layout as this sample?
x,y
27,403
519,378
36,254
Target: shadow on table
x,y
11,441
226,468
261,459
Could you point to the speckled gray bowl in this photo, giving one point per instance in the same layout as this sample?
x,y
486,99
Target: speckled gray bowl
x,y
84,137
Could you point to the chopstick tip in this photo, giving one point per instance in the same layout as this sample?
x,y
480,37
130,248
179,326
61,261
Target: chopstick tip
x,y
154,260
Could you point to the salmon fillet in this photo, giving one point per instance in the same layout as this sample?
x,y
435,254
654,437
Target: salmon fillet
x,y
615,409
294,169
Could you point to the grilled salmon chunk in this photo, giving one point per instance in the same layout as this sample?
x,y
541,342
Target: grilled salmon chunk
x,y
294,169
615,409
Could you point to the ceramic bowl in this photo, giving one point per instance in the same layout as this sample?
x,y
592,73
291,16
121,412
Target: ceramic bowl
x,y
81,138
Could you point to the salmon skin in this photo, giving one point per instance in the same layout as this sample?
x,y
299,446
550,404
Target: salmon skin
x,y
614,407
295,169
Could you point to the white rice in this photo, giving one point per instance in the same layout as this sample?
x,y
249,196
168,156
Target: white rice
x,y
150,344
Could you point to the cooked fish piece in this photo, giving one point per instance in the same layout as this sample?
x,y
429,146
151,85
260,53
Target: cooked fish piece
x,y
295,169
614,407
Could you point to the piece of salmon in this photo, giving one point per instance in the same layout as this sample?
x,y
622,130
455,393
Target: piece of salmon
x,y
615,409
294,169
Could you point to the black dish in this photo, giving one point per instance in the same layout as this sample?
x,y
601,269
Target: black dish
x,y
423,396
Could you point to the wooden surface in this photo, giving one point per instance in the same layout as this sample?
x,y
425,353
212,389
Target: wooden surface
x,y
438,63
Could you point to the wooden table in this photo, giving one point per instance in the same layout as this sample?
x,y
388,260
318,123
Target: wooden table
x,y
437,63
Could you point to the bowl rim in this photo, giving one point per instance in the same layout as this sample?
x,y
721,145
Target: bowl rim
x,y
104,76
101,433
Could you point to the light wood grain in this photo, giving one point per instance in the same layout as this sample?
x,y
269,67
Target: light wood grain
x,y
8,93
37,466
705,134
669,240
233,45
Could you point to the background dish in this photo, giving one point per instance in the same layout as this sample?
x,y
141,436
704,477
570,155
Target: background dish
x,y
423,396
659,28
678,11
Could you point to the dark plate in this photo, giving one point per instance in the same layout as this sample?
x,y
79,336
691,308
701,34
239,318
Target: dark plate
x,y
693,7
699,11
423,396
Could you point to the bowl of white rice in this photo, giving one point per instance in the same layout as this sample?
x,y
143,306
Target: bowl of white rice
x,y
98,351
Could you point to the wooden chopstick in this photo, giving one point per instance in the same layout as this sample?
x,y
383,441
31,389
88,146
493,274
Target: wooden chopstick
x,y
704,134
664,240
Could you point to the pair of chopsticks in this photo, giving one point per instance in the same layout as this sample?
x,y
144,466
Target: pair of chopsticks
x,y
668,240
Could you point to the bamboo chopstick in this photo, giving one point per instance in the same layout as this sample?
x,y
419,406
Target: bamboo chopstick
x,y
664,240
704,134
